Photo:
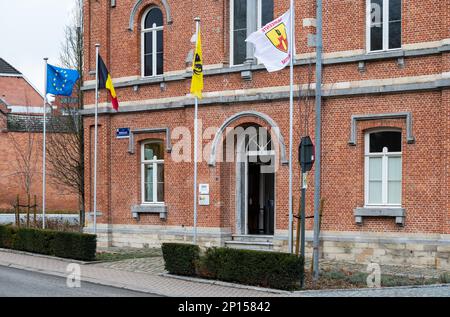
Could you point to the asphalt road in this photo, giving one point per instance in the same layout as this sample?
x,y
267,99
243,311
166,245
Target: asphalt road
x,y
20,283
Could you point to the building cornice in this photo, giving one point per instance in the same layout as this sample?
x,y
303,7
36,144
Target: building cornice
x,y
267,94
345,57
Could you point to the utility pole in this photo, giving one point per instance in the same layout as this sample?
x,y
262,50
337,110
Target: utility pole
x,y
319,47
306,158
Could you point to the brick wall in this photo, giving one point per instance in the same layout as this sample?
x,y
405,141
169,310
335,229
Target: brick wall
x,y
425,163
11,183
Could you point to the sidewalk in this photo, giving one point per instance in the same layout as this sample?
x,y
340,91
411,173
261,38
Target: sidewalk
x,y
118,274
142,282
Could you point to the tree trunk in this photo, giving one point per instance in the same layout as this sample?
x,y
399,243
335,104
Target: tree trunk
x,y
17,212
34,212
28,211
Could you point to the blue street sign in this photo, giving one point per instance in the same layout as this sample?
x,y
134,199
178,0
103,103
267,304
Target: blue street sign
x,y
123,133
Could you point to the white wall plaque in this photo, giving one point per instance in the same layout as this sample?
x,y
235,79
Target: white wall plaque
x,y
203,189
203,200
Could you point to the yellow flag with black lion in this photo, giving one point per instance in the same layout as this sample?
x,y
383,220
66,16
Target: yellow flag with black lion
x,y
197,69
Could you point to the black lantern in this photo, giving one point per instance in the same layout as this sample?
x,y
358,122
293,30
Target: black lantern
x,y
306,154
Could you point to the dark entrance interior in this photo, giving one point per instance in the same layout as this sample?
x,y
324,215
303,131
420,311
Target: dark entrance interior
x,y
261,200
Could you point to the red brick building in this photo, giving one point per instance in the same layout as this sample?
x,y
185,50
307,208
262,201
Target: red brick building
x,y
385,126
21,133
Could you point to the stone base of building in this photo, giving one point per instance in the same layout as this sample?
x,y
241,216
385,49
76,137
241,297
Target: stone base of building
x,y
153,236
421,250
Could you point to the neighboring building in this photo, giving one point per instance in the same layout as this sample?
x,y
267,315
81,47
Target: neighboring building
x,y
21,122
385,126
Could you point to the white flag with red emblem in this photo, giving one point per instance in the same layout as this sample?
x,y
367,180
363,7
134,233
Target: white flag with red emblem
x,y
272,47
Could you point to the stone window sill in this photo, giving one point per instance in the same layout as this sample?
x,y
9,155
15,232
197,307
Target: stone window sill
x,y
149,209
397,213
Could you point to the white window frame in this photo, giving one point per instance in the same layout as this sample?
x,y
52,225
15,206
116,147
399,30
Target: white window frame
x,y
385,157
154,30
258,26
385,28
155,162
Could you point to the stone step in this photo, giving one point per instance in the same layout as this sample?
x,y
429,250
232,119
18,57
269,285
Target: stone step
x,y
252,238
250,245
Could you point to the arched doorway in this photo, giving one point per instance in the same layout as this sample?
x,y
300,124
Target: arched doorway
x,y
255,182
238,175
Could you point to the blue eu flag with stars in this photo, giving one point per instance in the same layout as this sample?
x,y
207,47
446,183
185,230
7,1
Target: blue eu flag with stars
x,y
60,81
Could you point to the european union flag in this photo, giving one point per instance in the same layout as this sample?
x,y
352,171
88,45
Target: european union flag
x,y
60,81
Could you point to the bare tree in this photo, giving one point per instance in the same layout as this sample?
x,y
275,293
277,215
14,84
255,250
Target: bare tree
x,y
65,147
306,107
24,143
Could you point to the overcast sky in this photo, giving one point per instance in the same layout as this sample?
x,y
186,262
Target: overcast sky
x,y
31,30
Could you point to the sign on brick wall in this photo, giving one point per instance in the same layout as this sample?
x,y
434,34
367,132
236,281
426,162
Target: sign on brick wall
x,y
122,133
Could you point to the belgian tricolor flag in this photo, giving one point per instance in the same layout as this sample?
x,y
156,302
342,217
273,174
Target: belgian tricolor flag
x,y
105,82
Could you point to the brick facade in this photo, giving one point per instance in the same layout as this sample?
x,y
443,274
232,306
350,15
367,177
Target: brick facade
x,y
414,80
58,199
16,91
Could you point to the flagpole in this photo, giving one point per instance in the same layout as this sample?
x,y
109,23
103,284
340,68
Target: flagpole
x,y
97,47
291,126
197,27
44,141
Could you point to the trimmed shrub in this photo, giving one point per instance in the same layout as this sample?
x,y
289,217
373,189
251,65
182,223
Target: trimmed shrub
x,y
258,268
181,259
444,278
208,265
71,245
33,240
6,236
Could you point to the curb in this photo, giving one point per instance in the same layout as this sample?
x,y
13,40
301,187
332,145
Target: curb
x,y
226,284
368,290
50,257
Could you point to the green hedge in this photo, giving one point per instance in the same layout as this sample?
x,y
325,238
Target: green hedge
x,y
257,268
6,236
180,258
71,245
33,240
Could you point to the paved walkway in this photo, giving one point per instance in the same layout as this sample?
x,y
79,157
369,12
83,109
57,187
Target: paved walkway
x,y
151,262
146,278
153,265
142,282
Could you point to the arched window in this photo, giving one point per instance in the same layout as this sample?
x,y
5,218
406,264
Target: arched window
x,y
383,161
152,47
152,172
